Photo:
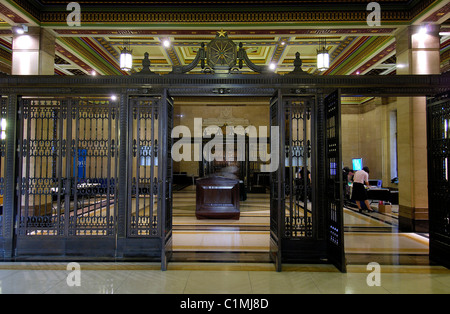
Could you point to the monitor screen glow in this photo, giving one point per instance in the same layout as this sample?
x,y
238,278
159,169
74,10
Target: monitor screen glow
x,y
357,164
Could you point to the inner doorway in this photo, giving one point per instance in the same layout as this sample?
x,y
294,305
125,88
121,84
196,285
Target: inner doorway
x,y
369,138
293,210
245,239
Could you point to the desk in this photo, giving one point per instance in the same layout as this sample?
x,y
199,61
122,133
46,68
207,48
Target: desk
x,y
378,194
217,197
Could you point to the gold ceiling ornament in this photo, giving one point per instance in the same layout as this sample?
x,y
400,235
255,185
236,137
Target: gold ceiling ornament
x,y
221,53
222,33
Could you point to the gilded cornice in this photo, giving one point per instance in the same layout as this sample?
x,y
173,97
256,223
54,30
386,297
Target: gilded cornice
x,y
225,17
126,12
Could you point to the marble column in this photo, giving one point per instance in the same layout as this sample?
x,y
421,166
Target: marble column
x,y
33,52
417,53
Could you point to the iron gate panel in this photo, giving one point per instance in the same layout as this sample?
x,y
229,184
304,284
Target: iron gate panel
x,y
166,174
41,150
297,217
94,177
300,216
67,170
3,122
438,125
144,145
333,183
299,207
276,183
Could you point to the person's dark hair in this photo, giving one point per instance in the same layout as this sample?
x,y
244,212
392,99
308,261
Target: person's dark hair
x,y
366,169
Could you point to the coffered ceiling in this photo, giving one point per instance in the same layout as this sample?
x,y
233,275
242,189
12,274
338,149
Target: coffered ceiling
x,y
270,31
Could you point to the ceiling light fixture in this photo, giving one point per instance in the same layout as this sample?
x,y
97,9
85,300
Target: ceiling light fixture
x,y
21,29
126,57
3,129
273,66
323,58
166,43
423,30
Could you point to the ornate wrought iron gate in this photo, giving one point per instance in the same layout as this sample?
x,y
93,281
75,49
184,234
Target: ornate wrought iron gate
x,y
438,125
90,177
66,195
306,206
149,215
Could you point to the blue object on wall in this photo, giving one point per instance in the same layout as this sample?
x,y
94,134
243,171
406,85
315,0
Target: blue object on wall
x,y
80,163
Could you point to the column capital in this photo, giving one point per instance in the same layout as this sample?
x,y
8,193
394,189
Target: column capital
x,y
407,38
33,53
430,29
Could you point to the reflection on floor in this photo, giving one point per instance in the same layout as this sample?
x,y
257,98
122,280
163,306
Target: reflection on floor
x,y
368,236
228,279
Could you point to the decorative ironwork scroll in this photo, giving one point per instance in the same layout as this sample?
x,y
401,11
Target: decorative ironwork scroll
x,y
200,57
242,56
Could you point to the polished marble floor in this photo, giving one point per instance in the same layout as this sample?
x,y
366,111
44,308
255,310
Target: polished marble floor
x,y
368,236
231,256
218,278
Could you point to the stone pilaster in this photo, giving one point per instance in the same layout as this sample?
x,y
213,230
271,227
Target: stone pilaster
x,y
417,53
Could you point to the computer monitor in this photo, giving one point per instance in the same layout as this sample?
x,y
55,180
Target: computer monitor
x,y
357,164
